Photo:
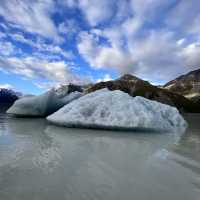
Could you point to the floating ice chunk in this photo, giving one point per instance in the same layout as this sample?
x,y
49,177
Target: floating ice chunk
x,y
70,97
42,105
117,110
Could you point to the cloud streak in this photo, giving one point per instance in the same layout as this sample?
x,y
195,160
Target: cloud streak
x,y
144,44
156,40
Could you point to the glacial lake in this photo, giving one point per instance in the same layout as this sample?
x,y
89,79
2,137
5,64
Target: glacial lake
x,y
39,161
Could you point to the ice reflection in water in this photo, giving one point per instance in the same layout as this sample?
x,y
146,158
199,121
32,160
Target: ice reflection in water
x,y
42,161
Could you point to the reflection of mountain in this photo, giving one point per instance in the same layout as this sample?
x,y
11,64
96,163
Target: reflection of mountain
x,y
137,87
184,155
26,160
43,161
26,126
98,163
23,130
189,145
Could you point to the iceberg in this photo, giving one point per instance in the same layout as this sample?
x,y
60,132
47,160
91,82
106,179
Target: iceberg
x,y
117,110
42,105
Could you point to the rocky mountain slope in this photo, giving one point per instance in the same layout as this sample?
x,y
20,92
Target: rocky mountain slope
x,y
8,96
137,87
187,85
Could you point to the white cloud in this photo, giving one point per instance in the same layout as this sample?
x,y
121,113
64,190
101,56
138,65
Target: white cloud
x,y
68,3
190,55
99,56
5,27
32,16
185,16
6,86
2,35
36,69
45,85
149,9
157,57
54,49
68,28
156,40
137,44
41,46
7,48
95,11
181,42
106,77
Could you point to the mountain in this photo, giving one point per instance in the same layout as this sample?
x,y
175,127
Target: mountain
x,y
187,85
138,87
8,96
65,89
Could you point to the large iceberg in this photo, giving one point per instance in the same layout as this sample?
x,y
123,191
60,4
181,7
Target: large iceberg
x,y
42,105
117,110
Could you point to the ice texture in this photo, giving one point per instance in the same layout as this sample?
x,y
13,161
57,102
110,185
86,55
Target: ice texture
x,y
117,110
42,105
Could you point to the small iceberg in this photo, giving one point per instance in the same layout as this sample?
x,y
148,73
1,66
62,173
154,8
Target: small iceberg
x,y
117,110
42,105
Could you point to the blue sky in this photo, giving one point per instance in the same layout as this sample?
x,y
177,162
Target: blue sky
x,y
44,43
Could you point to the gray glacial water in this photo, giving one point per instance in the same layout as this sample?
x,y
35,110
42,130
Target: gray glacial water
x,y
39,161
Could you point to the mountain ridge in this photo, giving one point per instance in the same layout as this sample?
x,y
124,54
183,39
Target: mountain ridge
x,y
187,85
137,87
8,96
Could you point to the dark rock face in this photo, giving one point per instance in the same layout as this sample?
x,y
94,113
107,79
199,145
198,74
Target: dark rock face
x,y
64,90
137,87
7,96
74,88
186,85
196,99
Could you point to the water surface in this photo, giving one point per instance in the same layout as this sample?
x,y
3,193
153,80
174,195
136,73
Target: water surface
x,y
39,161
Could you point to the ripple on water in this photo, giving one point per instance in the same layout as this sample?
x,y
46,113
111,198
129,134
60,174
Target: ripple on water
x,y
44,162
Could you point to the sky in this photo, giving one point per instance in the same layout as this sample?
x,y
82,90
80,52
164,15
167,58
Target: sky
x,y
44,43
